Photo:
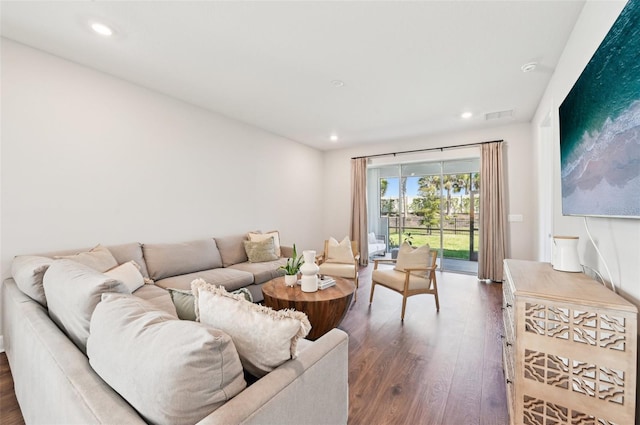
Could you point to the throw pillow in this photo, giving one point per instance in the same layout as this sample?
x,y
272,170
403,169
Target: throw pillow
x,y
185,301
171,371
340,252
257,237
99,258
264,338
413,258
261,251
127,273
28,272
73,290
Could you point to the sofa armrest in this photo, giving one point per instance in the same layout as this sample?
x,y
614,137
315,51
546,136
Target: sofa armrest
x,y
298,392
286,251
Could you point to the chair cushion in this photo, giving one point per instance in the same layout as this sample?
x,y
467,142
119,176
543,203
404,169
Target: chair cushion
x,y
264,338
338,269
171,371
395,280
339,252
413,258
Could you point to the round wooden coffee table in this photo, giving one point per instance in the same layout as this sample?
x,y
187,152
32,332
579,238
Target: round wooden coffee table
x,y
325,308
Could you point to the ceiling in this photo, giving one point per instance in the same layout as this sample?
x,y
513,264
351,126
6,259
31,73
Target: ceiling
x,y
408,68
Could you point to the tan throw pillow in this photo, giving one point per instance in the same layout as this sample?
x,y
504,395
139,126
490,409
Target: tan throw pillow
x,y
264,338
413,258
340,252
257,237
171,371
127,273
99,258
259,252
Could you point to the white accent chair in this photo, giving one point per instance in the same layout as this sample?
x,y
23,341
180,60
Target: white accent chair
x,y
340,269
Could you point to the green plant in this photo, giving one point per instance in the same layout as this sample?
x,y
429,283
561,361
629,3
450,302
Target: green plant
x,y
292,267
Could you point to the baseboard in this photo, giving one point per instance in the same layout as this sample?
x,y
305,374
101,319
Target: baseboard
x,y
1,344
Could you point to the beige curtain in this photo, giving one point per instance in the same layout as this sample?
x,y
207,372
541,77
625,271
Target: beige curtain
x,y
358,231
492,213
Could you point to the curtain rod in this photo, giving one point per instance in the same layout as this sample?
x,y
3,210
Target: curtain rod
x,y
426,149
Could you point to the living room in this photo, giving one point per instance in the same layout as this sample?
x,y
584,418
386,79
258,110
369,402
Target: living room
x,y
90,158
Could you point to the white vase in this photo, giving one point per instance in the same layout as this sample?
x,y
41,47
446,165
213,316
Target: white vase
x,y
309,272
290,279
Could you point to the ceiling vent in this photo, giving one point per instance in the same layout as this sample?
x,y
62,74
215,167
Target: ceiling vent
x,y
498,115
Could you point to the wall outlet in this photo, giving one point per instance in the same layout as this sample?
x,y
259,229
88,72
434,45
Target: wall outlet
x,y
515,217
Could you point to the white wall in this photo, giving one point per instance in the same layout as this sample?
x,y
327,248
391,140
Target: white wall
x,y
88,158
617,239
519,171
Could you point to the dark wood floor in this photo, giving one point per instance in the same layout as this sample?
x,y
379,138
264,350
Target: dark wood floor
x,y
436,368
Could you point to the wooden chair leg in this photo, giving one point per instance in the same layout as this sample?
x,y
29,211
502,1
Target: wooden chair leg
x,y
435,292
373,286
404,307
355,295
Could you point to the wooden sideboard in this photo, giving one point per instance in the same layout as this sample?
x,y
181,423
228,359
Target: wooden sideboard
x,y
569,348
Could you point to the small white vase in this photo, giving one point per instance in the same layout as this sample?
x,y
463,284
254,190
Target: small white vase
x,y
290,279
309,272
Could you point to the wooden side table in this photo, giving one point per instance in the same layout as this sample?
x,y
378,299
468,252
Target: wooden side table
x,y
325,308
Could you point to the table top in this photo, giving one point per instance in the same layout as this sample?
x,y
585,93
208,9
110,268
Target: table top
x,y
276,288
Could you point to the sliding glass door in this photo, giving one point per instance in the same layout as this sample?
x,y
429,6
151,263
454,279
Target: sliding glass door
x,y
433,203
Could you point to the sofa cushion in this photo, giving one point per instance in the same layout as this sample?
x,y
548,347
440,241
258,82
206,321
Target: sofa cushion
x,y
232,249
130,252
261,251
230,278
127,273
171,371
157,296
262,272
173,259
184,301
258,237
73,290
28,272
264,338
99,258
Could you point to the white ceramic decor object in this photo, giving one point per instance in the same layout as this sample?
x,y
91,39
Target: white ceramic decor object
x,y
565,254
309,272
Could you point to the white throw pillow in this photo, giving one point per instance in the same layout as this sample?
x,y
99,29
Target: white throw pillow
x,y
413,258
28,272
99,258
73,290
340,252
171,371
129,274
265,338
259,237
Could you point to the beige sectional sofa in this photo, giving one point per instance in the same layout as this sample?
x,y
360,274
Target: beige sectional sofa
x,y
56,383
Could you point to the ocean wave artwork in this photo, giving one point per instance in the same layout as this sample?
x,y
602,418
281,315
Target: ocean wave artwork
x,y
600,127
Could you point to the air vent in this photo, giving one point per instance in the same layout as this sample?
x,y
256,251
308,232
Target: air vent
x,y
498,115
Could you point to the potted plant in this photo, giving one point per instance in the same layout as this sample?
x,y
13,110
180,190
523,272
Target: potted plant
x,y
292,268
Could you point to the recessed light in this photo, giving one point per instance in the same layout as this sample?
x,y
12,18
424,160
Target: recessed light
x,y
467,115
333,138
102,29
528,67
337,83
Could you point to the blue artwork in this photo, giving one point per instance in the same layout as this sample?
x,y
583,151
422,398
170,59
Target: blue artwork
x,y
600,127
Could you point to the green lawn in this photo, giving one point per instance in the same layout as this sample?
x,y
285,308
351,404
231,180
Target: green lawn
x,y
455,246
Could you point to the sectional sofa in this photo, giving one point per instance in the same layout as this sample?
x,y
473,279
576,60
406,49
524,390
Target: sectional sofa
x,y
55,381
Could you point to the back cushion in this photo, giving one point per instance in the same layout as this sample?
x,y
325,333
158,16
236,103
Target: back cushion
x,y
73,290
173,259
171,371
232,249
130,252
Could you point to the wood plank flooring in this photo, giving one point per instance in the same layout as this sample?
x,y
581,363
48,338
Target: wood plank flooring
x,y
436,368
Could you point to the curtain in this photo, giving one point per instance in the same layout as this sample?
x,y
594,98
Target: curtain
x,y
492,213
359,227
